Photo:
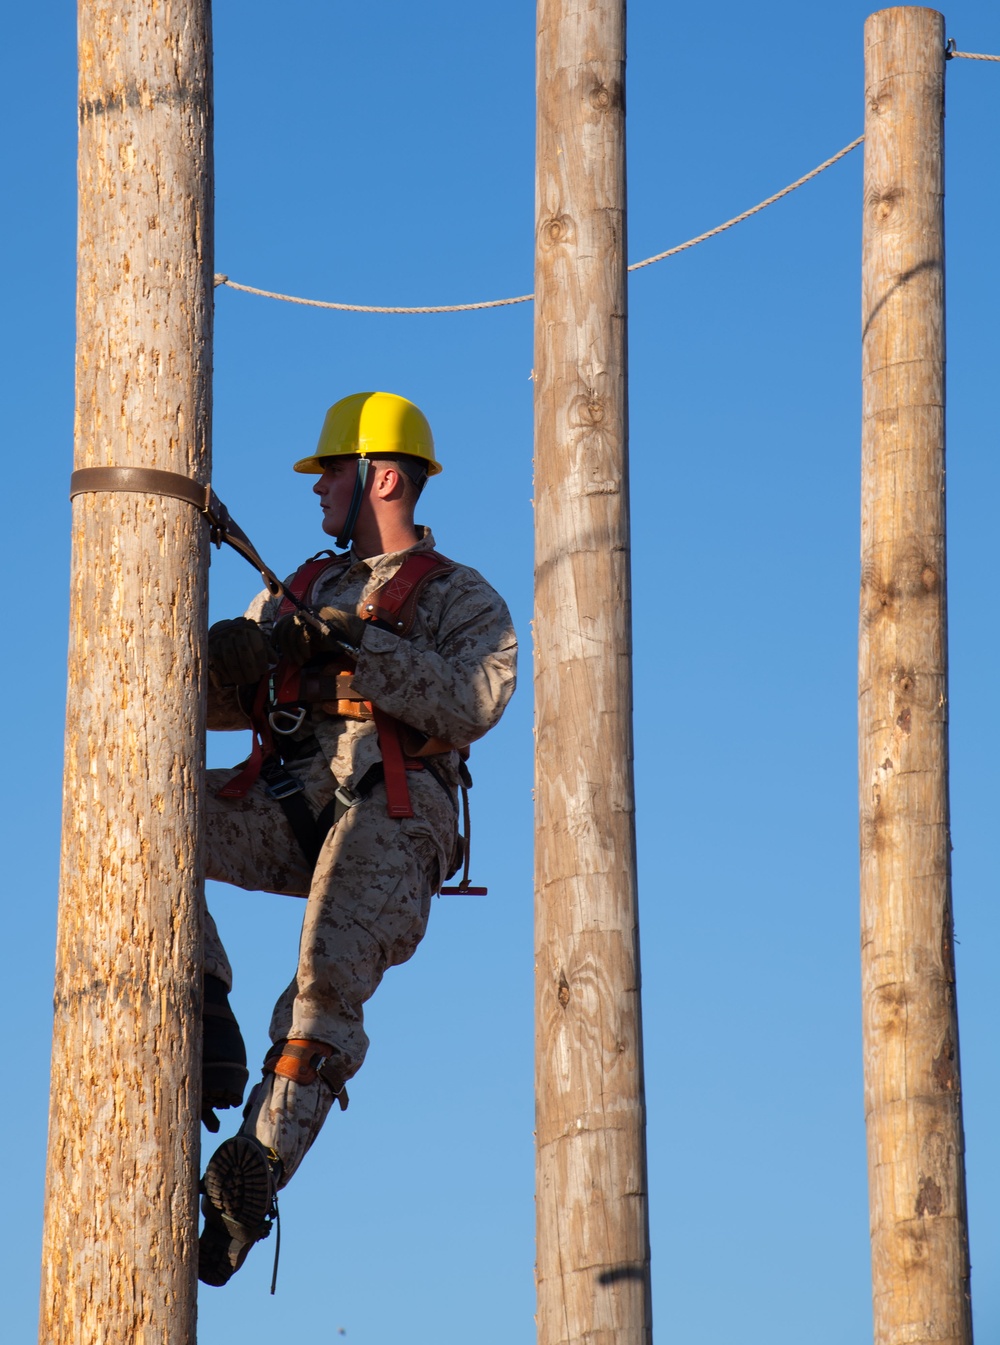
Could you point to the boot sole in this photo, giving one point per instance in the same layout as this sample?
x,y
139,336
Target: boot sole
x,y
238,1204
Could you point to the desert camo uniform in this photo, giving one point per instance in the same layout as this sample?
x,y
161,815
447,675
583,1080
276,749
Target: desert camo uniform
x,y
369,897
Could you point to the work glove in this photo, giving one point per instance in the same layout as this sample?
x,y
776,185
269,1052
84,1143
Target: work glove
x,y
299,642
237,653
223,1055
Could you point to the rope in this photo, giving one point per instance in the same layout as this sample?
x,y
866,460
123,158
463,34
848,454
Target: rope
x,y
370,308
525,298
972,56
738,219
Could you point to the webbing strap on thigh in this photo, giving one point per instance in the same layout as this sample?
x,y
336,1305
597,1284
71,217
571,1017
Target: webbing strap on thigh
x,y
310,831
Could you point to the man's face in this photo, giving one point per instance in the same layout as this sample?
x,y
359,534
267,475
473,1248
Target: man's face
x,y
335,488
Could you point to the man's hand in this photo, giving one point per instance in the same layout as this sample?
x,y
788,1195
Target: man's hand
x,y
299,642
237,653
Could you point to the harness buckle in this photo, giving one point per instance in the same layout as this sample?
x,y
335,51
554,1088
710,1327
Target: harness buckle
x,y
346,796
218,517
287,721
283,788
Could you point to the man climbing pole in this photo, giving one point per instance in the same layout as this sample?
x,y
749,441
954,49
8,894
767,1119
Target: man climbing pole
x,y
363,691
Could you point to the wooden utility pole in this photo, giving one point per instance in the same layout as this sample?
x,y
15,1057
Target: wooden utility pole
x,y
913,1108
593,1240
120,1219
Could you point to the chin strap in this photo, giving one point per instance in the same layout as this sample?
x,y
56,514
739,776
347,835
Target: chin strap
x,y
346,533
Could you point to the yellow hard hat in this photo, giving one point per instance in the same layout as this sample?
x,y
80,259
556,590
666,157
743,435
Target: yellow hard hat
x,y
369,423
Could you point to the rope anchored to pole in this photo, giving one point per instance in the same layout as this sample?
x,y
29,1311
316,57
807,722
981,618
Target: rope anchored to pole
x,y
950,53
526,298
370,308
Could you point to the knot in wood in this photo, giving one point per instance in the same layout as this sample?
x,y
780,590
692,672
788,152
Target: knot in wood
x,y
600,98
888,1009
557,229
883,205
588,412
928,578
880,104
879,594
562,994
904,679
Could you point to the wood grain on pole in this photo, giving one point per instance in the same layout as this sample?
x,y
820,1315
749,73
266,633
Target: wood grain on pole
x,y
920,1255
119,1247
593,1245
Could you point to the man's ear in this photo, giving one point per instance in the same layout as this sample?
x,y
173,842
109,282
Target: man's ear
x,y
390,485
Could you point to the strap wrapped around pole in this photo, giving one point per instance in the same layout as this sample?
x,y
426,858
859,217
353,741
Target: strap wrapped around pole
x,y
152,481
142,481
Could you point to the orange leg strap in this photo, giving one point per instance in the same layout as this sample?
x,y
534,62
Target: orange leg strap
x,y
298,1059
305,1061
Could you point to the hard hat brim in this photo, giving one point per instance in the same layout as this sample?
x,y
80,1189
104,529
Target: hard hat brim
x,y
314,466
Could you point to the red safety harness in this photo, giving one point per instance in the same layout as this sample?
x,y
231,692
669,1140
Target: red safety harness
x,y
282,699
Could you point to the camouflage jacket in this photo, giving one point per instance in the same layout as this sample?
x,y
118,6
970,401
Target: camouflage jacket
x,y
450,678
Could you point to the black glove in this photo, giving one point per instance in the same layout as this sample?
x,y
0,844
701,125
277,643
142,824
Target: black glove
x,y
237,653
299,642
223,1056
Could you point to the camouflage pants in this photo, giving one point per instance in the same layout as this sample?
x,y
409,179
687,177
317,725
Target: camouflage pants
x,y
367,903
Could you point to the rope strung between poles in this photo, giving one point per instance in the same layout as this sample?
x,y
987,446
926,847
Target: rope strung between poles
x,y
525,298
950,54
369,308
738,219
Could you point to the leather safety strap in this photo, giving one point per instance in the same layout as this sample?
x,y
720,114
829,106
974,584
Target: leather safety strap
x,y
152,481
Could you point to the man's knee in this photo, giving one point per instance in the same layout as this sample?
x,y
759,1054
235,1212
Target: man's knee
x,y
249,843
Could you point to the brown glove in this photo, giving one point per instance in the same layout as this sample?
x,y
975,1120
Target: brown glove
x,y
300,642
237,652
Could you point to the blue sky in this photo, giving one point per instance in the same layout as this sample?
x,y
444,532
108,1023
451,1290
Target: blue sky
x,y
383,154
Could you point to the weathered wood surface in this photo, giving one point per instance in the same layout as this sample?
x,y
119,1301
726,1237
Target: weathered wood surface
x,y
920,1256
593,1246
119,1259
